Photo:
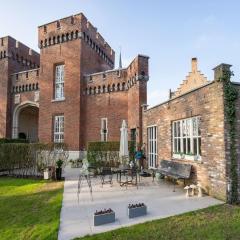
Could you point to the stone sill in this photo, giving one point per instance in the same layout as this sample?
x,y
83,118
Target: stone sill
x,y
58,100
190,158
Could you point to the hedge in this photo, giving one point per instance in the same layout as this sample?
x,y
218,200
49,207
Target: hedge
x,y
7,140
107,153
27,159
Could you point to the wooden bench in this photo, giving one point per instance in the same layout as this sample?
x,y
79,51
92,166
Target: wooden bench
x,y
175,170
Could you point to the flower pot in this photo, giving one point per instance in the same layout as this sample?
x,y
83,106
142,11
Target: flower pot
x,y
137,211
104,218
58,173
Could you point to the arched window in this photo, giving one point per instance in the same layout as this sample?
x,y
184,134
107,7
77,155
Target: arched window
x,y
123,86
99,89
63,38
72,35
90,90
23,88
113,87
41,44
4,54
26,87
45,43
143,73
76,34
104,88
45,29
49,41
37,86
1,55
17,89
108,88
118,87
54,40
30,87
58,39
33,87
67,36
94,90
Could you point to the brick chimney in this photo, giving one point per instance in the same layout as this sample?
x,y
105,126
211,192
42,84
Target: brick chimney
x,y
194,65
218,70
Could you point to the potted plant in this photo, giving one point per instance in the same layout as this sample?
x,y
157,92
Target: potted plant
x,y
137,210
103,217
59,164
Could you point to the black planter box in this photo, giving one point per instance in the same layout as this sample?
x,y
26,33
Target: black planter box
x,y
137,211
103,218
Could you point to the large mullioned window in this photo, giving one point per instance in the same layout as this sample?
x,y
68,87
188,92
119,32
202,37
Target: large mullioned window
x,y
187,136
59,129
59,82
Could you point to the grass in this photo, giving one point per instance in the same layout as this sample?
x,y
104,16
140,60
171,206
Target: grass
x,y
29,209
215,223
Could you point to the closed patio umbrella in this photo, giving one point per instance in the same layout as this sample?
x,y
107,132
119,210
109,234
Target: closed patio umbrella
x,y
123,153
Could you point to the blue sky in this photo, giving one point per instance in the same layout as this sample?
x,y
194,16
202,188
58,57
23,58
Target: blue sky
x,y
170,32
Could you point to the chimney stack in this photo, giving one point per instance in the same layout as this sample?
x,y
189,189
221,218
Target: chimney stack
x,y
194,64
219,70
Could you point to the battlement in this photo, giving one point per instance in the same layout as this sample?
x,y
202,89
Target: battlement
x,y
15,50
25,81
117,79
72,28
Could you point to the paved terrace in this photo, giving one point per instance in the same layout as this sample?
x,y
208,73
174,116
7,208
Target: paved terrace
x,y
77,218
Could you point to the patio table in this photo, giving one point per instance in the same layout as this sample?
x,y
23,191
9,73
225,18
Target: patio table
x,y
128,172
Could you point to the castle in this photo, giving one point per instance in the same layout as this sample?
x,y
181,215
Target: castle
x,y
70,92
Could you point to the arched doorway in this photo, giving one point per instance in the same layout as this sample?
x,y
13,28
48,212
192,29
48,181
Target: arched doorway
x,y
25,121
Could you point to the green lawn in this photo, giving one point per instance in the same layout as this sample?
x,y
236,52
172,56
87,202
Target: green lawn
x,y
215,223
29,209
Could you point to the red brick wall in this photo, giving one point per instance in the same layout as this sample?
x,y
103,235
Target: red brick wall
x,y
18,58
206,102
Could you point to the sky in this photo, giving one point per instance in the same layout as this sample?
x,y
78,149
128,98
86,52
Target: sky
x,y
169,32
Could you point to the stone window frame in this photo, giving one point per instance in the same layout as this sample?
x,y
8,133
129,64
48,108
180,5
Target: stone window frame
x,y
58,128
186,138
104,129
152,150
59,81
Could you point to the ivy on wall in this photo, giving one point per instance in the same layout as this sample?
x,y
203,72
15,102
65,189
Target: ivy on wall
x,y
230,97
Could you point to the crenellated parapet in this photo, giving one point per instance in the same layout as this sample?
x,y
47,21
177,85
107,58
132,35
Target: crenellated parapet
x,y
118,79
74,28
25,81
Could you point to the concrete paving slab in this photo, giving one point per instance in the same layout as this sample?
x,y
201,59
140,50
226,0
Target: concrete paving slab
x,y
77,217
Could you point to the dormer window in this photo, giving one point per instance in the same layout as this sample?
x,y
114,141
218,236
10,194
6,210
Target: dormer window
x,y
45,29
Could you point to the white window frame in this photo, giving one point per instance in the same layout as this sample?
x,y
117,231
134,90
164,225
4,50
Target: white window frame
x,y
152,132
184,133
104,131
58,129
59,82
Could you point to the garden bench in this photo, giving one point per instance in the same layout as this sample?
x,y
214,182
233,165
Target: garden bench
x,y
175,170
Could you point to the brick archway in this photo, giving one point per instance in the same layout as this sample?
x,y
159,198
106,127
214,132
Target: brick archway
x,y
16,114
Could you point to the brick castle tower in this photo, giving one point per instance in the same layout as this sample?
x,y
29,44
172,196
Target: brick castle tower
x,y
77,94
